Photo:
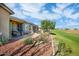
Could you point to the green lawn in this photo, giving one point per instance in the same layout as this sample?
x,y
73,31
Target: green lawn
x,y
69,39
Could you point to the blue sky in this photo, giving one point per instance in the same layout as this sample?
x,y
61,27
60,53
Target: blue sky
x,y
66,15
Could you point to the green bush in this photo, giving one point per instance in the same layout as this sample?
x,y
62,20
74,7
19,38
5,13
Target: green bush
x,y
0,43
3,41
63,49
28,41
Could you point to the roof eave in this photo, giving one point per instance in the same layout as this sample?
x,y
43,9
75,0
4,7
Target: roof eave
x,y
6,8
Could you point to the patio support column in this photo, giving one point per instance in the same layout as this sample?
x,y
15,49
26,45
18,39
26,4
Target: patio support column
x,y
24,28
32,29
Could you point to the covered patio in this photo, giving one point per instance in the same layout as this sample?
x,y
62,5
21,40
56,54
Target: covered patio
x,y
18,28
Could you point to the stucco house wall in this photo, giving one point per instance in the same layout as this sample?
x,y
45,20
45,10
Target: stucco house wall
x,y
4,20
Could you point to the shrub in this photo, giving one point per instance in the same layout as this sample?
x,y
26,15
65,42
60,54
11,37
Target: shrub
x,y
43,40
63,49
44,37
0,43
3,41
28,41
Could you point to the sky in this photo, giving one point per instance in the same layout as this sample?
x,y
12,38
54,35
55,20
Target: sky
x,y
66,15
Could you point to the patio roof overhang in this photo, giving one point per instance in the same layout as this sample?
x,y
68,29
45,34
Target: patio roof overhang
x,y
21,21
12,18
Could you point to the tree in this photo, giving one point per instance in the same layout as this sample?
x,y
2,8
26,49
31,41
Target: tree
x,y
75,29
66,28
47,25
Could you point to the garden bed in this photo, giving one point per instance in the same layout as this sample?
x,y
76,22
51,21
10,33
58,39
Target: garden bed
x,y
38,46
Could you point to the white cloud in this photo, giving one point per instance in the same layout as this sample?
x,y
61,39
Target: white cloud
x,y
61,6
68,13
62,10
72,23
10,5
75,16
33,10
18,13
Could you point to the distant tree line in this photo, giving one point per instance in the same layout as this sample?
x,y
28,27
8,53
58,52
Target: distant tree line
x,y
70,29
